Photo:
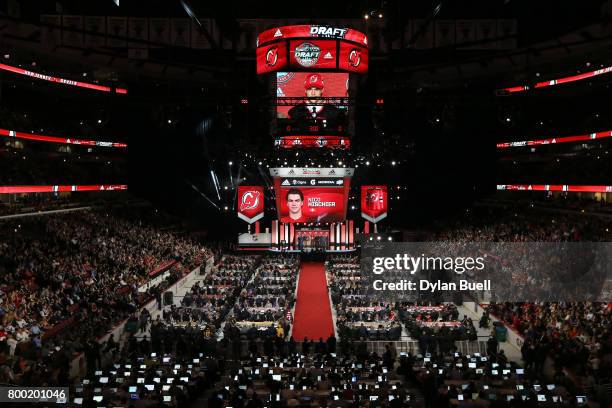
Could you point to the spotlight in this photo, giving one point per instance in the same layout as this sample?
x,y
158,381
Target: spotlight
x,y
393,163
366,16
380,15
508,119
230,163
390,239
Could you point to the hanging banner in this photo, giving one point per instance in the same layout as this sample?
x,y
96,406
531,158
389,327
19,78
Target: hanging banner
x,y
250,203
374,203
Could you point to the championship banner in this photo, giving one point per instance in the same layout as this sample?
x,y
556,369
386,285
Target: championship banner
x,y
374,203
250,203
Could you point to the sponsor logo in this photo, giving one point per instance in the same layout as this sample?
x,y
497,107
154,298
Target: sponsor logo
x,y
307,54
272,57
297,182
354,58
313,182
322,31
328,55
291,172
250,200
332,172
340,182
285,183
308,172
278,33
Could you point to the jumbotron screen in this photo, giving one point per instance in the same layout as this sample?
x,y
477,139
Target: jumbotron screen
x,y
311,195
312,85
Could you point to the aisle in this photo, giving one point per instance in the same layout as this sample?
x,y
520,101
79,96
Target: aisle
x,y
313,317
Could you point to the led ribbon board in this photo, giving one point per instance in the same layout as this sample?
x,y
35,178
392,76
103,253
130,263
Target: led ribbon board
x,y
312,47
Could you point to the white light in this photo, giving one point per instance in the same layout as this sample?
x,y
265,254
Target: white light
x,y
339,162
225,208
380,15
367,163
230,163
378,238
260,163
507,119
99,120
390,239
393,163
366,16
169,120
225,188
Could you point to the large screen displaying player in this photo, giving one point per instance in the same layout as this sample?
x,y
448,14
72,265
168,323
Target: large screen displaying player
x,y
312,198
313,86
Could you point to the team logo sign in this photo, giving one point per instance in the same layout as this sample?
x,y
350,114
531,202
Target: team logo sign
x,y
374,203
251,203
354,58
307,54
374,199
250,200
272,57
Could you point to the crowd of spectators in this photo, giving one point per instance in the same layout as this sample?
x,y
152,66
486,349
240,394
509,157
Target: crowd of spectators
x,y
66,279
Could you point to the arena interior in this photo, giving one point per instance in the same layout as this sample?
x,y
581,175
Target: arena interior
x,y
194,197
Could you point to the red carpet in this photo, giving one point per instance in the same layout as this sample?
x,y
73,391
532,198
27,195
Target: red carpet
x,y
313,317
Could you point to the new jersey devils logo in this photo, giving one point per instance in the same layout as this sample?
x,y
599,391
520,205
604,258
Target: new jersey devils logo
x,y
354,58
374,199
249,201
272,56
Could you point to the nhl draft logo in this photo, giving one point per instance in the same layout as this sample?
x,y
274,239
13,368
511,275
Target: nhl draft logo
x,y
272,56
354,58
250,200
307,54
